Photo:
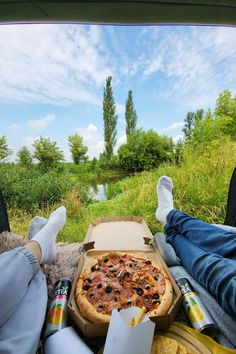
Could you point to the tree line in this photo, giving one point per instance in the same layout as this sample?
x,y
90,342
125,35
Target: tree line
x,y
144,150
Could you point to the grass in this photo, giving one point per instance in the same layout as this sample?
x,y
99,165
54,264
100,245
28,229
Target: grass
x,y
201,188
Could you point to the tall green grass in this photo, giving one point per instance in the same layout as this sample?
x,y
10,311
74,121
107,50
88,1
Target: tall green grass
x,y
200,188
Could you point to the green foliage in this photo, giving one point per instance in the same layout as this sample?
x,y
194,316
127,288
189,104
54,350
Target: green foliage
x,y
200,130
206,131
29,189
24,157
201,185
109,119
145,150
4,150
225,113
77,149
113,189
130,115
191,121
93,164
188,125
178,152
47,153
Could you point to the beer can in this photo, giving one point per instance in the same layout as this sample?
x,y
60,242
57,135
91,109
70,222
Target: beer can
x,y
197,313
57,314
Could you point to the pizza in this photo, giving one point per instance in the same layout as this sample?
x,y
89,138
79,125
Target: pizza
x,y
118,280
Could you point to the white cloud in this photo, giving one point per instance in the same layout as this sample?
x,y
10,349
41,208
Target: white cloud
x,y
192,64
177,138
39,124
92,139
154,66
58,64
121,140
92,128
120,108
173,126
29,140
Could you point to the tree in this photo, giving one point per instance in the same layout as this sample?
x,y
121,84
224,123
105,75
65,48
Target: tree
x,y
145,150
225,113
24,157
4,150
192,120
77,149
47,153
188,126
130,115
109,119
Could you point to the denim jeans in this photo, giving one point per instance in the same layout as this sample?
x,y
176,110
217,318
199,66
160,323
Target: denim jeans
x,y
208,253
23,302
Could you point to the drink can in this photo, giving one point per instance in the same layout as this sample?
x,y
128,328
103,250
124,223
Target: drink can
x,y
195,310
57,314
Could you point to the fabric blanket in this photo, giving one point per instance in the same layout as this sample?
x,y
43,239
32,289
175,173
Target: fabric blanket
x,y
225,323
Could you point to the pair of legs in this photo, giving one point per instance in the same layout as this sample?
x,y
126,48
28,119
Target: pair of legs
x,y
23,288
207,252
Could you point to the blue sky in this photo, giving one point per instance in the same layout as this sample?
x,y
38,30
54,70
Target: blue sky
x,y
52,78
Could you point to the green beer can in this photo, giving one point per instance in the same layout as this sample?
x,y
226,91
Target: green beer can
x,y
197,313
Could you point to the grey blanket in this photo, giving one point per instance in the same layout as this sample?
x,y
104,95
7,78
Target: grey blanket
x,y
225,323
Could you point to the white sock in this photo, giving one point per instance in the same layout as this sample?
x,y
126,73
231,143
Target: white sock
x,y
165,198
46,237
37,223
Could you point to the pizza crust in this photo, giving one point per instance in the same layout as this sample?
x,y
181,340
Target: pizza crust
x,y
88,311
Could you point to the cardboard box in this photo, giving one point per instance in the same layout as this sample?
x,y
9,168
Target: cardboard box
x,y
126,234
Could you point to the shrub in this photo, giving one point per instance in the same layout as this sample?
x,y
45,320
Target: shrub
x,y
145,150
30,189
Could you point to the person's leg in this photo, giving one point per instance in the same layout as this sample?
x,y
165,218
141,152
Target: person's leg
x,y
18,267
210,238
214,272
23,301
23,290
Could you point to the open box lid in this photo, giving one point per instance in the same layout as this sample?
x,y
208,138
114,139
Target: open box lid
x,y
118,233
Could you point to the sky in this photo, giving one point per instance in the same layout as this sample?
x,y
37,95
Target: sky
x,y
52,79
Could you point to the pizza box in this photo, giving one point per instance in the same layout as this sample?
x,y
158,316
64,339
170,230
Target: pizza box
x,y
125,234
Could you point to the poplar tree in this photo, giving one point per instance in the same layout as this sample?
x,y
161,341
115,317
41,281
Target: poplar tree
x,y
109,119
130,116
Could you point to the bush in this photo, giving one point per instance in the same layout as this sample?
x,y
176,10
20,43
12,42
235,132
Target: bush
x,y
145,150
30,189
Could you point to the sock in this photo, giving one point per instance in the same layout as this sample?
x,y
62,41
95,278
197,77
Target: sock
x,y
46,237
165,198
37,223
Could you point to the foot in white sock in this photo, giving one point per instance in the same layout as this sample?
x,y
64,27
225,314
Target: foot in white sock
x,y
46,237
165,198
37,223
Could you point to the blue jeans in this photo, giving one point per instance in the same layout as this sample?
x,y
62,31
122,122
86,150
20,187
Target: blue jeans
x,y
23,302
208,253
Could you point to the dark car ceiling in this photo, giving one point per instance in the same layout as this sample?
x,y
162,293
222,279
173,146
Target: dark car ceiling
x,y
120,12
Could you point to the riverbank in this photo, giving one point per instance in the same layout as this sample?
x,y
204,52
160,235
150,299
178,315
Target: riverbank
x,y
201,188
